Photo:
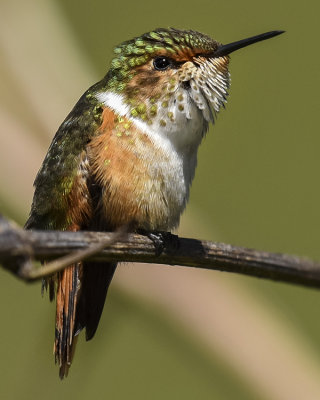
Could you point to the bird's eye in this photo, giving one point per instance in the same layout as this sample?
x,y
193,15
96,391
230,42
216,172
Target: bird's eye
x,y
161,63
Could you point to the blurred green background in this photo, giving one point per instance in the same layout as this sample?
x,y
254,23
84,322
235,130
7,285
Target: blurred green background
x,y
175,333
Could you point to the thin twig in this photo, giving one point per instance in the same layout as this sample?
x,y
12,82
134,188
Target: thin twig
x,y
17,246
72,258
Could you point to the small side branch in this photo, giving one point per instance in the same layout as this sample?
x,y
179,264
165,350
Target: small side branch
x,y
19,247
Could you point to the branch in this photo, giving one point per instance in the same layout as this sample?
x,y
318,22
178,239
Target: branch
x,y
18,247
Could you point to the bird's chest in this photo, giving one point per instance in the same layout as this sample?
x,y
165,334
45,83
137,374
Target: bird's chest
x,y
142,180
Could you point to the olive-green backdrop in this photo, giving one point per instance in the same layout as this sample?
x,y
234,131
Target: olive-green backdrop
x,y
256,185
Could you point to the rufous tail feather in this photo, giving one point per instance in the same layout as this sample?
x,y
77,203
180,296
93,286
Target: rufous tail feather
x,y
68,295
80,297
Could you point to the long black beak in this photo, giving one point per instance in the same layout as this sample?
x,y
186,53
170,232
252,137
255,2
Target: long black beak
x,y
225,49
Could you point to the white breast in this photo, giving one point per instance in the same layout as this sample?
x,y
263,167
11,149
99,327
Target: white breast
x,y
178,138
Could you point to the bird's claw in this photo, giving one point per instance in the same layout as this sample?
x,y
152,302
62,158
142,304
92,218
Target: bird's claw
x,y
162,240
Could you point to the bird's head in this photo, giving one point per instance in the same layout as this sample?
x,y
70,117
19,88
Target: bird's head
x,y
170,71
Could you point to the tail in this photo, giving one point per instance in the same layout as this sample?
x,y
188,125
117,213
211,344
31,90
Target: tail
x,y
81,294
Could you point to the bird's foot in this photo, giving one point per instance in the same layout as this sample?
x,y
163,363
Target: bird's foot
x,y
162,240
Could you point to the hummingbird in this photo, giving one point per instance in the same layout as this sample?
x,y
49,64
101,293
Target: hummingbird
x,y
127,154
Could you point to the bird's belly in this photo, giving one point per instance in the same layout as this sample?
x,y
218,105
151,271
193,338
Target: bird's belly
x,y
152,197
140,182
